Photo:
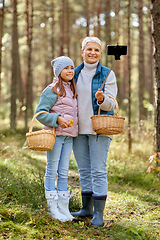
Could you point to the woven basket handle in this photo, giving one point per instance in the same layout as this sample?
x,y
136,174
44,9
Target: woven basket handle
x,y
31,126
117,108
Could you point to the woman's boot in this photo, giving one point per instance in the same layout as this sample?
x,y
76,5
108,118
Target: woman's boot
x,y
87,206
63,204
99,205
52,199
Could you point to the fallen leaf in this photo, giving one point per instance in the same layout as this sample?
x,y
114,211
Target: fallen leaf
x,y
108,224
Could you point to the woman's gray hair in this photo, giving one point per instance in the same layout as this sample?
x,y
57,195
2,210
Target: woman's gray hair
x,y
91,39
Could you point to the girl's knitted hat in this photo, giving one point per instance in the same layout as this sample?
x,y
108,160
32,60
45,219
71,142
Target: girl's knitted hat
x,y
60,63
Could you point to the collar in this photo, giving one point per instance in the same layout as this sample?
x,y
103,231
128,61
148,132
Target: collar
x,y
81,66
90,67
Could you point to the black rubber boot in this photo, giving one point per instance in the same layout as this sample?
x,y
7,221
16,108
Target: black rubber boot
x,y
87,206
97,220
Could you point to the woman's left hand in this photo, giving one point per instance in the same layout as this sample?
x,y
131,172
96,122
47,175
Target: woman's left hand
x,y
99,95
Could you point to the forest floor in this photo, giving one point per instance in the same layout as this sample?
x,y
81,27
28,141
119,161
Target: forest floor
x,y
132,208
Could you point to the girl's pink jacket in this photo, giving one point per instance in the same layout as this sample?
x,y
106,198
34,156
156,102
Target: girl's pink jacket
x,y
67,107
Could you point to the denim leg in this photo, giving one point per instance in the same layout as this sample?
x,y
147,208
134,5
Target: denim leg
x,y
63,166
54,162
99,146
91,153
81,153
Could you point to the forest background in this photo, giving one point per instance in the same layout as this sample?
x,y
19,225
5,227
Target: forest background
x,y
35,32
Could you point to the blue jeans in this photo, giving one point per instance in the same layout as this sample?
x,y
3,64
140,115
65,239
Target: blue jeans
x,y
58,164
91,153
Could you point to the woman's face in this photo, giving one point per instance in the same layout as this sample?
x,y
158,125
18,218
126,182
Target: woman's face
x,y
92,52
67,73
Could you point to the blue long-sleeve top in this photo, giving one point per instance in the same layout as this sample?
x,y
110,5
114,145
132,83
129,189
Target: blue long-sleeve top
x,y
46,102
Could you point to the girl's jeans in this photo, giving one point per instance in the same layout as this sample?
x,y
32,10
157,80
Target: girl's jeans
x,y
91,153
58,164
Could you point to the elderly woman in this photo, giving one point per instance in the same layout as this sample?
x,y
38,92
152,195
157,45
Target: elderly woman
x,y
91,149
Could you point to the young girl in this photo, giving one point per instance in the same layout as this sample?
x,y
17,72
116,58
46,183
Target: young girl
x,y
59,100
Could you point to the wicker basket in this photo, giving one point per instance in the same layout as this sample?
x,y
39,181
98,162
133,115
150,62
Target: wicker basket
x,y
106,124
42,140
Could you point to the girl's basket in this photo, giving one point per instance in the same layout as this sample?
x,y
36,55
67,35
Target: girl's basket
x,y
106,124
42,140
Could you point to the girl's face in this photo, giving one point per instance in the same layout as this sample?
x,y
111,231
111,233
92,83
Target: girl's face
x,y
67,73
92,52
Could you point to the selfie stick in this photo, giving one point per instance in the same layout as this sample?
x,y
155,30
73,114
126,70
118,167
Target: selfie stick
x,y
105,79
107,75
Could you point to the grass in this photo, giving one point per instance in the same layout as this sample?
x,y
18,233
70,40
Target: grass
x,y
133,205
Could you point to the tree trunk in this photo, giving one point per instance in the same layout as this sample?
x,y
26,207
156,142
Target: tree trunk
x,y
20,83
61,32
124,84
1,36
67,28
29,82
52,35
98,19
117,34
20,87
107,10
141,88
155,11
129,78
149,66
87,16
47,62
14,67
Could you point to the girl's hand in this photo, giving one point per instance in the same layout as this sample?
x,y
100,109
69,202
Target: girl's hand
x,y
62,122
99,95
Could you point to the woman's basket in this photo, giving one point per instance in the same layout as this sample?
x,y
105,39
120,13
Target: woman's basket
x,y
42,140
106,124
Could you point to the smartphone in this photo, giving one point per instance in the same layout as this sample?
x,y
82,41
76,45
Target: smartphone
x,y
117,50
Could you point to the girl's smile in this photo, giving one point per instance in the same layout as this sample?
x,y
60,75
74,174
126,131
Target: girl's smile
x,y
67,73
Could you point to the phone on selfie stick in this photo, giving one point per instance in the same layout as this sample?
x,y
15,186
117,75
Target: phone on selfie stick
x,y
117,50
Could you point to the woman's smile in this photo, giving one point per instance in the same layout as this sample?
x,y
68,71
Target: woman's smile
x,y
92,52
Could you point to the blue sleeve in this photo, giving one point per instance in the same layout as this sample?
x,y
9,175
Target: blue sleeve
x,y
46,102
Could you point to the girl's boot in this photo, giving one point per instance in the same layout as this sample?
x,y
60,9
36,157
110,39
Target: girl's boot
x,y
52,200
63,204
87,206
97,219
